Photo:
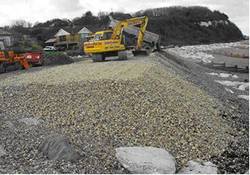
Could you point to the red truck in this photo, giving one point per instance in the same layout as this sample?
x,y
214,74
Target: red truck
x,y
34,58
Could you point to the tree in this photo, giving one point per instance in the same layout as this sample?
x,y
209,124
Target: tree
x,y
21,23
88,14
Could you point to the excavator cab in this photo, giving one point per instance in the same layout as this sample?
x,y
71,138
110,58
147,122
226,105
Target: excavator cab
x,y
103,35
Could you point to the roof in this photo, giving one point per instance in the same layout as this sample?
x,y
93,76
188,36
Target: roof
x,y
84,30
52,40
72,30
62,32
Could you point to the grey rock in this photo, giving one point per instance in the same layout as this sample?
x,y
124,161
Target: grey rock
x,y
3,171
10,125
57,147
146,160
30,121
199,167
2,151
247,172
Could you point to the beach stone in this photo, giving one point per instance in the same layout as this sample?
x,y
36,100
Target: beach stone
x,y
2,151
9,125
30,121
199,167
146,160
58,147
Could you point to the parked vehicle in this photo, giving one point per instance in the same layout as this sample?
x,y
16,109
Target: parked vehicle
x,y
61,48
34,58
50,48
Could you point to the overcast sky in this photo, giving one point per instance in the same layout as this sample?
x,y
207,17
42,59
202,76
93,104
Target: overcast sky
x,y
42,10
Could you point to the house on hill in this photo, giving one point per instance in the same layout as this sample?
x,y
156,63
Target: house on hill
x,y
84,33
65,40
6,39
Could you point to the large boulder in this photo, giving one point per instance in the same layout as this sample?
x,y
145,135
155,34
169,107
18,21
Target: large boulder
x,y
199,167
57,147
146,160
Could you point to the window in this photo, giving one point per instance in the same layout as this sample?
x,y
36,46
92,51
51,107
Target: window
x,y
107,35
98,37
62,38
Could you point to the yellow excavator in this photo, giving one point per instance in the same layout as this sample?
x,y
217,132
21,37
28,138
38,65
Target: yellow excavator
x,y
112,42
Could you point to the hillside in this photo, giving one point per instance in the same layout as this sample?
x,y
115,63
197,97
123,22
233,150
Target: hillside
x,y
191,25
176,25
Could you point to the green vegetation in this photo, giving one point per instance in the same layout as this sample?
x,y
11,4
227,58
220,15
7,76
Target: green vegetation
x,y
53,53
56,58
181,25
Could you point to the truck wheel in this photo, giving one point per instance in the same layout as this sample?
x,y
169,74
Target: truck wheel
x,y
42,62
2,68
10,67
122,55
98,57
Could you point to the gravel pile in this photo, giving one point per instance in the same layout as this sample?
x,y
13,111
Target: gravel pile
x,y
79,71
51,58
102,106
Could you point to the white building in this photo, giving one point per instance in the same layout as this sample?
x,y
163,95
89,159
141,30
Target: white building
x,y
5,39
84,33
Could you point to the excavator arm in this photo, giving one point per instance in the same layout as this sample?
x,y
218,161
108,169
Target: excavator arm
x,y
141,21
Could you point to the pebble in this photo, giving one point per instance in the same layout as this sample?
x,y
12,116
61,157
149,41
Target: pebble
x,y
2,151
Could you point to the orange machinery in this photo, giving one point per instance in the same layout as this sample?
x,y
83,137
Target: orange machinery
x,y
9,58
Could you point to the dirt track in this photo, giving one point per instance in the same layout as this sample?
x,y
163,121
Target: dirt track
x,y
100,106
